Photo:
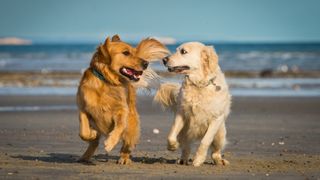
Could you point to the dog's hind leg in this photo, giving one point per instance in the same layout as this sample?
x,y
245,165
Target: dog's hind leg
x,y
90,150
130,138
86,132
185,151
217,146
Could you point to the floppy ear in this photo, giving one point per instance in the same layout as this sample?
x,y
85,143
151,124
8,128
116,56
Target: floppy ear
x,y
150,50
116,38
209,59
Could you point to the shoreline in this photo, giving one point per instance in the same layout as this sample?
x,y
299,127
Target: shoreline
x,y
58,78
66,83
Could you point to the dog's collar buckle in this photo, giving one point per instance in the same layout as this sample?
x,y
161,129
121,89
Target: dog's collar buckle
x,y
218,88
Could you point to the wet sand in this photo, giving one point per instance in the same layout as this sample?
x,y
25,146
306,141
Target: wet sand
x,y
268,138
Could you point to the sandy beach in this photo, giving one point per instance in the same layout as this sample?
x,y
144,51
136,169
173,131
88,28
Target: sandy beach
x,y
268,138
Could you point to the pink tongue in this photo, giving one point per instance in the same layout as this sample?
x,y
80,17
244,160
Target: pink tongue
x,y
129,71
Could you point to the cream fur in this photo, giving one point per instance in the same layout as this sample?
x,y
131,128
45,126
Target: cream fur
x,y
201,108
148,80
168,95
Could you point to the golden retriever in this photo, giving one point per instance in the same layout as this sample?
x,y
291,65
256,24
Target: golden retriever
x,y
201,104
106,96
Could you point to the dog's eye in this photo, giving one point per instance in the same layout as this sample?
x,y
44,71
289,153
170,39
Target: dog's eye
x,y
126,53
182,51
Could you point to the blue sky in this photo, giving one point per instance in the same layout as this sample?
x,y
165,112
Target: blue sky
x,y
204,20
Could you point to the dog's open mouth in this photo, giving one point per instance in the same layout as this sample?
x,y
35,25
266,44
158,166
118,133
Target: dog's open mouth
x,y
131,73
178,69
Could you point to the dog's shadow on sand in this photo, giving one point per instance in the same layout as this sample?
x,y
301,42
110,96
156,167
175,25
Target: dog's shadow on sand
x,y
51,158
72,158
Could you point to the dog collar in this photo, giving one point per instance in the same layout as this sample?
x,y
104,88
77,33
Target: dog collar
x,y
211,81
98,75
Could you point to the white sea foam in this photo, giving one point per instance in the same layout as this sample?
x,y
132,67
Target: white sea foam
x,y
37,108
38,91
238,86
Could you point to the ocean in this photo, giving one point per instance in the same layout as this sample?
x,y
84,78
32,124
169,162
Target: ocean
x,y
232,57
235,57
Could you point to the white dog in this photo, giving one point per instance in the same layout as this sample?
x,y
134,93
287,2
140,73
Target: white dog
x,y
201,104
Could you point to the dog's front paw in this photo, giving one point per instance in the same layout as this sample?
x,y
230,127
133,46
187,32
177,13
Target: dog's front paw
x,y
108,145
198,160
172,145
124,161
201,155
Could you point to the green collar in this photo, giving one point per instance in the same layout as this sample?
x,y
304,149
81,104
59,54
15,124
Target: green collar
x,y
98,75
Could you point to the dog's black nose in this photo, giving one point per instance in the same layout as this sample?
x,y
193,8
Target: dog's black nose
x,y
165,60
144,64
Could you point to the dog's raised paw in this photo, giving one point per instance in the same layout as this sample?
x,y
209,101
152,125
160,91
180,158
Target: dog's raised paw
x,y
172,145
124,161
108,146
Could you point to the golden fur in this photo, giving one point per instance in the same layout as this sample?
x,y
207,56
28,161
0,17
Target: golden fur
x,y
201,104
108,107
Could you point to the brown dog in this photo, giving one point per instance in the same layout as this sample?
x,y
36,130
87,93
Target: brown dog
x,y
106,97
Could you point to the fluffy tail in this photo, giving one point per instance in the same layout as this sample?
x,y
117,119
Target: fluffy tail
x,y
167,95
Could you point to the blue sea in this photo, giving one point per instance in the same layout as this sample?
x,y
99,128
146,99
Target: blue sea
x,y
232,57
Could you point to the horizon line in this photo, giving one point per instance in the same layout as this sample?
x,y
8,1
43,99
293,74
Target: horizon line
x,y
172,41
178,42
